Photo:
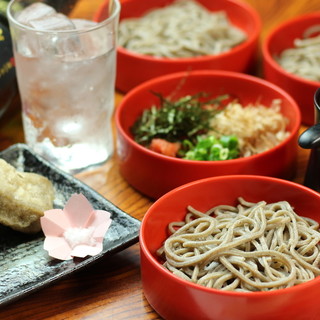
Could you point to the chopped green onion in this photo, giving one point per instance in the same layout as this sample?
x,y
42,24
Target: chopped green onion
x,y
211,149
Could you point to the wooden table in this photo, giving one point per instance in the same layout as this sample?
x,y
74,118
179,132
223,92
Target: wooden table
x,y
111,289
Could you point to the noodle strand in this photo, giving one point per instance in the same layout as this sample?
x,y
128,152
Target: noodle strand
x,y
249,247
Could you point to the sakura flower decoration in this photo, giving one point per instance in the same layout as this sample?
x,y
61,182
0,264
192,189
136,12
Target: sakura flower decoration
x,y
76,231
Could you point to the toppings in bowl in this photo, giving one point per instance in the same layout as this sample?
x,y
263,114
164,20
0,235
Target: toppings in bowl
x,y
215,129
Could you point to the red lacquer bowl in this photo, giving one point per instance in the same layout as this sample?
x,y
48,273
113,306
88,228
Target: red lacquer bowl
x,y
279,39
154,174
133,68
174,298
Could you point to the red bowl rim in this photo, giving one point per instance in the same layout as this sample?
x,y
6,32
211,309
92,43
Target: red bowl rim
x,y
252,38
268,55
180,281
215,73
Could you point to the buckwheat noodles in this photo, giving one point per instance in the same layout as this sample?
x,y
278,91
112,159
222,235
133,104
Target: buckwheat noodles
x,y
303,59
183,29
249,247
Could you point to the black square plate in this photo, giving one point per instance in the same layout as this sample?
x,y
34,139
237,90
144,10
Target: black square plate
x,y
24,265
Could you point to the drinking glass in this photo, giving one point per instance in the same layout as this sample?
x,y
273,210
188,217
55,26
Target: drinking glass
x,y
66,76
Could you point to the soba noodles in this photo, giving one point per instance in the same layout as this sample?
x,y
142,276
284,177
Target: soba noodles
x,y
182,29
303,59
250,247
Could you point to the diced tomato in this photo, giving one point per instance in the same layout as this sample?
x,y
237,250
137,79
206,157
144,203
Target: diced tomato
x,y
165,147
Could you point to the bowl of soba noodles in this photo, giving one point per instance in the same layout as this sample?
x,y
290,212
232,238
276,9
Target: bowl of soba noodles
x,y
164,36
291,60
242,247
186,126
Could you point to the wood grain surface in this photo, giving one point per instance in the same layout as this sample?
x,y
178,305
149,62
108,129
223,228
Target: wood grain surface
x,y
112,289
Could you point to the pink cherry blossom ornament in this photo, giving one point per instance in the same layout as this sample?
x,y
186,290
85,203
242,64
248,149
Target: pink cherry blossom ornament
x,y
76,231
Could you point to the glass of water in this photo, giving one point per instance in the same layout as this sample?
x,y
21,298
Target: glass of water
x,y
66,75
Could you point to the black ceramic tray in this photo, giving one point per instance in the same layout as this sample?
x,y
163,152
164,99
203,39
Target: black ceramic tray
x,y
24,265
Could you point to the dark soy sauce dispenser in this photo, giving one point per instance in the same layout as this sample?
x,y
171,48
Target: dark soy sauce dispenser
x,y
310,139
